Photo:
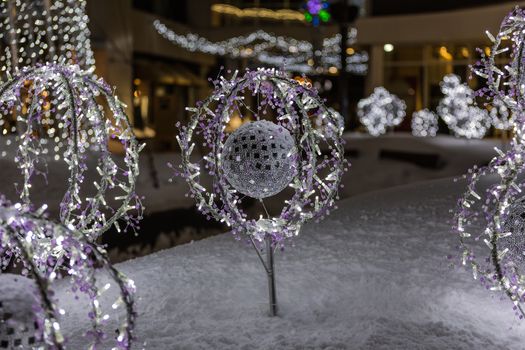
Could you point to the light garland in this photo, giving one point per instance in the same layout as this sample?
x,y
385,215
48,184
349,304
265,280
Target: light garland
x,y
489,221
424,123
44,31
295,107
56,110
381,111
22,233
458,109
295,55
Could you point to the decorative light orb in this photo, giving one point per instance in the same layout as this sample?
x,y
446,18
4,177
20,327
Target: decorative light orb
x,y
424,123
18,325
259,159
459,111
381,111
303,149
514,224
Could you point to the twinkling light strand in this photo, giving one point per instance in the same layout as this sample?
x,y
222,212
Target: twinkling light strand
x,y
56,110
381,111
283,52
459,111
22,233
44,31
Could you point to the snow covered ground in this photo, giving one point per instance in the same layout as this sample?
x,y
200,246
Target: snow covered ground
x,y
374,275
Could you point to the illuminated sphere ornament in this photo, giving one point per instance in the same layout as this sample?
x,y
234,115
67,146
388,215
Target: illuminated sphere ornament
x,y
316,11
424,123
19,328
58,115
490,215
301,147
381,111
258,159
459,111
81,264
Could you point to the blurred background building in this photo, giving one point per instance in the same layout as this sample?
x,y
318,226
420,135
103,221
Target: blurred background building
x,y
411,45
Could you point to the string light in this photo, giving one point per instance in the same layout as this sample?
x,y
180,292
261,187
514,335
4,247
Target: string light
x,y
44,31
381,111
283,52
257,12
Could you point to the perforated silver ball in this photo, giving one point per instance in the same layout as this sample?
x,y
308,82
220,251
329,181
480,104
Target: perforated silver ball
x,y
18,329
259,159
515,223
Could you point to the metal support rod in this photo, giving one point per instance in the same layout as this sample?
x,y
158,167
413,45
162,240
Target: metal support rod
x,y
271,276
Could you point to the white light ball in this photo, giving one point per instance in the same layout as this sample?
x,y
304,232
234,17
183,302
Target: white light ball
x,y
259,159
18,328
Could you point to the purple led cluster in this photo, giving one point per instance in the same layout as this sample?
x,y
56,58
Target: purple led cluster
x,y
258,95
488,219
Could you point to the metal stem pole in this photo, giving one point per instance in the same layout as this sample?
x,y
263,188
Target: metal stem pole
x,y
271,276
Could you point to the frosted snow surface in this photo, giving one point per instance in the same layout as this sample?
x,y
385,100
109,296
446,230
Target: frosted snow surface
x,y
374,275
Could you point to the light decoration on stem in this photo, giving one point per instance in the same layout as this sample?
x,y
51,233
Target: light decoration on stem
x,y
312,165
424,123
44,31
381,111
55,110
459,111
279,51
81,263
489,218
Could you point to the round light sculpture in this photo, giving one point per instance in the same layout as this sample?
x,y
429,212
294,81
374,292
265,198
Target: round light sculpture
x,y
29,239
55,113
381,111
458,109
258,159
263,157
501,116
424,123
490,219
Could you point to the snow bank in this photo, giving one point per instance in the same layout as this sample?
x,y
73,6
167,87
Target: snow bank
x,y
374,275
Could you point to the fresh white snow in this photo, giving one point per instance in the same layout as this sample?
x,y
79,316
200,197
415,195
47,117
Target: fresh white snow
x,y
374,275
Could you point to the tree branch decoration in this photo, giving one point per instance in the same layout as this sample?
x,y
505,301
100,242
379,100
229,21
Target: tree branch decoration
x,y
301,151
489,218
22,233
54,109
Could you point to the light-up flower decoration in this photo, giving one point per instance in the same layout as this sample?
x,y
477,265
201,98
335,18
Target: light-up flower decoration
x,y
54,113
490,220
381,111
310,160
22,234
424,123
316,11
459,111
